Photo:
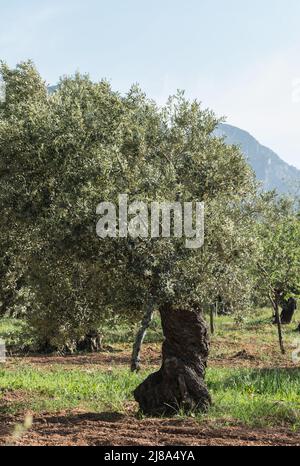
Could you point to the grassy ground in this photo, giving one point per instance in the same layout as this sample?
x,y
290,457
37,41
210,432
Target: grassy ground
x,y
250,381
249,396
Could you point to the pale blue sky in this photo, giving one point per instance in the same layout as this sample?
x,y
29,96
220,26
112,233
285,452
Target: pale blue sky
x,y
239,57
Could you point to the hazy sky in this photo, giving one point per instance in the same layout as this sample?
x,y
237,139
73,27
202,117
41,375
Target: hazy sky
x,y
239,57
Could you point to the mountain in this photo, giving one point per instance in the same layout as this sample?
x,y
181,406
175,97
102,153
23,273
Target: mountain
x,y
51,89
270,169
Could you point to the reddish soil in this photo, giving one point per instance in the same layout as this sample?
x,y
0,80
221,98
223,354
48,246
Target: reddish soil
x,y
113,429
106,360
246,355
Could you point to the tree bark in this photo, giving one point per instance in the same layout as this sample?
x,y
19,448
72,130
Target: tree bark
x,y
275,304
91,343
288,310
136,352
179,384
278,322
212,323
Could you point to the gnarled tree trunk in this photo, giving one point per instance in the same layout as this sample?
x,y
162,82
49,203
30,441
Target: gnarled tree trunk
x,y
288,310
179,384
91,343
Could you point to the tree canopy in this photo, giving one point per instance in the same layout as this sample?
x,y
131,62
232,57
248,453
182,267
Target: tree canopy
x,y
62,154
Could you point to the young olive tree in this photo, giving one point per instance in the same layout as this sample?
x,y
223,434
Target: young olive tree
x,y
279,259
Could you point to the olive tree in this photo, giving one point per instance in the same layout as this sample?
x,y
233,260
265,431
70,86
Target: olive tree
x,y
56,154
65,154
278,267
179,159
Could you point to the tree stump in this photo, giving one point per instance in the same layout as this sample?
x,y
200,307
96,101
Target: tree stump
x,y
179,384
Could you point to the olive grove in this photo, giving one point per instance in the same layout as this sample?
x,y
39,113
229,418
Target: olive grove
x,y
60,156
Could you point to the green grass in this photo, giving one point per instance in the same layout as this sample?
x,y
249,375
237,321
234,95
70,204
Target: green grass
x,y
255,323
19,338
249,396
265,397
257,326
125,333
58,388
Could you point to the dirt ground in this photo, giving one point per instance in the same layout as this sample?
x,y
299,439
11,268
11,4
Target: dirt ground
x,y
247,356
113,429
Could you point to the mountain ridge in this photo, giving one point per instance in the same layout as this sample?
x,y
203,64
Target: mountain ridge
x,y
270,169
